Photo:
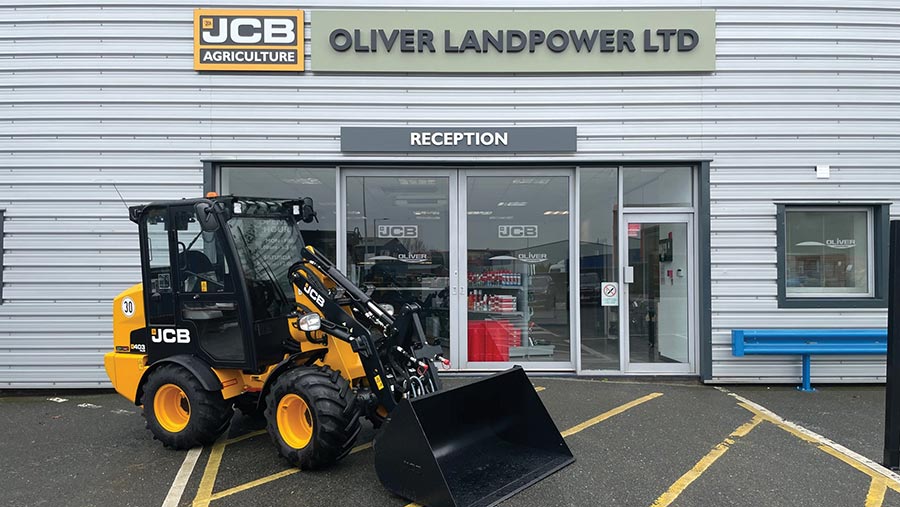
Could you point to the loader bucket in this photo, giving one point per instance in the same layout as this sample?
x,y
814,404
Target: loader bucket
x,y
471,446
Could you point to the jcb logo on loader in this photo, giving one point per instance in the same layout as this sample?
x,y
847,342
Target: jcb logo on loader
x,y
314,295
169,335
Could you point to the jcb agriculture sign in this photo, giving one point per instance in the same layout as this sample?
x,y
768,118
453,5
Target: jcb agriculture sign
x,y
256,40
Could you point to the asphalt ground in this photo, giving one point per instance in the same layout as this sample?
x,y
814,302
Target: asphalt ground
x,y
636,443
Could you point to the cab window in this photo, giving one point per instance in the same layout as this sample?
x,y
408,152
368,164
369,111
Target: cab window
x,y
202,265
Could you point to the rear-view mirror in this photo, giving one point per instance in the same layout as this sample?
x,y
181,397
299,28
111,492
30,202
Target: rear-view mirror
x,y
307,213
206,217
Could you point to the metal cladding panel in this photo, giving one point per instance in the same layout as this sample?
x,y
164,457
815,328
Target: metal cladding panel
x,y
96,94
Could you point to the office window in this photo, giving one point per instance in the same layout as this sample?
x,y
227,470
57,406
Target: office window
x,y
830,253
658,186
319,183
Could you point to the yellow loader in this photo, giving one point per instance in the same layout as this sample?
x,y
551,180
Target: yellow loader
x,y
235,311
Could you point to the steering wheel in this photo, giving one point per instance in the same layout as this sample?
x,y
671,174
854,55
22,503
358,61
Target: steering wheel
x,y
204,278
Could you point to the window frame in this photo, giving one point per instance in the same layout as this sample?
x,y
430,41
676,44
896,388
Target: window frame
x,y
878,219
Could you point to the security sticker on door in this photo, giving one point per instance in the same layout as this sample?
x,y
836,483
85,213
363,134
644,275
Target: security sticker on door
x,y
609,294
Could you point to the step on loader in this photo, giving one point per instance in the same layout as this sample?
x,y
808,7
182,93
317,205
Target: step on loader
x,y
235,311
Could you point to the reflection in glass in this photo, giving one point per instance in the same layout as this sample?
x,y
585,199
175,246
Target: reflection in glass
x,y
658,298
293,183
657,186
827,252
599,264
518,265
398,241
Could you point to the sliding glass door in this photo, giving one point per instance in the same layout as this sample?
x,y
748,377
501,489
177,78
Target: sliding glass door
x,y
399,242
515,277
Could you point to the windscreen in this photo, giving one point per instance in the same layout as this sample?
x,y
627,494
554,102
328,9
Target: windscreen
x,y
266,248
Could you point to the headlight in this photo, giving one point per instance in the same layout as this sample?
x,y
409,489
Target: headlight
x,y
310,322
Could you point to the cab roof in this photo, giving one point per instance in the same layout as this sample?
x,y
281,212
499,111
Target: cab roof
x,y
234,205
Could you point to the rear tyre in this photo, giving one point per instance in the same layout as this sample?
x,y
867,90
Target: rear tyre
x,y
180,412
312,416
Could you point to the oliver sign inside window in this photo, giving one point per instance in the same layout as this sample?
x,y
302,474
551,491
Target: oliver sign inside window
x,y
828,252
513,41
255,40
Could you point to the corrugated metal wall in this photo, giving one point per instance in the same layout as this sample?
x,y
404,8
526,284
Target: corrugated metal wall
x,y
93,94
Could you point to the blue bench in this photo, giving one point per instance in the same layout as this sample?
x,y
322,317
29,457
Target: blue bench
x,y
807,342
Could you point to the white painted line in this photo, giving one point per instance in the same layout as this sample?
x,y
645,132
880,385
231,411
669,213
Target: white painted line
x,y
853,455
181,478
88,405
57,400
121,411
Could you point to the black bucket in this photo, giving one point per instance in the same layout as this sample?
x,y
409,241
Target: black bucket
x,y
471,446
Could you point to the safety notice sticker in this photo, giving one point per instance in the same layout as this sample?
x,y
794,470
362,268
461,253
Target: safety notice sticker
x,y
609,294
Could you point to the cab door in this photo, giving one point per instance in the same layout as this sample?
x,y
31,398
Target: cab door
x,y
205,292
159,290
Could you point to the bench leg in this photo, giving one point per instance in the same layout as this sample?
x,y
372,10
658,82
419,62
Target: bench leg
x,y
807,383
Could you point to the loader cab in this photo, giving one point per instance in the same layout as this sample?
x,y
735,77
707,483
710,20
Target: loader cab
x,y
215,278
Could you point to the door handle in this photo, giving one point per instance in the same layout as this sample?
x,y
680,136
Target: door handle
x,y
628,275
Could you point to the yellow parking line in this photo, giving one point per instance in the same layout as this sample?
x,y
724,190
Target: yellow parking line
x,y
606,415
362,447
245,437
209,475
862,468
877,489
776,422
205,494
828,447
539,388
253,484
260,481
705,462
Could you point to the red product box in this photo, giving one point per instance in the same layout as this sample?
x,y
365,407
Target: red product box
x,y
476,335
496,342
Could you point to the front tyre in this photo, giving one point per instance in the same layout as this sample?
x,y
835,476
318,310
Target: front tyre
x,y
180,412
312,416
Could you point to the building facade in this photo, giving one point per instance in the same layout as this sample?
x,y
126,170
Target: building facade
x,y
608,210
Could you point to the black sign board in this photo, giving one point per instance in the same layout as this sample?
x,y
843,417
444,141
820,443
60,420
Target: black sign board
x,y
458,140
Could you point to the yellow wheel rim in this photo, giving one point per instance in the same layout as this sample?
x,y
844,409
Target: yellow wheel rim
x,y
172,408
295,423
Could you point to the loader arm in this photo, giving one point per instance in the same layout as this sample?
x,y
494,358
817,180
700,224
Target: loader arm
x,y
392,350
403,329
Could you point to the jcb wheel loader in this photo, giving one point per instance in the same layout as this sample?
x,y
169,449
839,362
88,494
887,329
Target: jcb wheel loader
x,y
235,311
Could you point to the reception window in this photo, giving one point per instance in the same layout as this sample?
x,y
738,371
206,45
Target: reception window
x,y
830,253
293,183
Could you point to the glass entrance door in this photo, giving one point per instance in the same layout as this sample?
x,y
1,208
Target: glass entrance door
x,y
659,285
399,242
514,295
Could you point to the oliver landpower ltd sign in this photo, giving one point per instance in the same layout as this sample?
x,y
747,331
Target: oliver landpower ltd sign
x,y
513,41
